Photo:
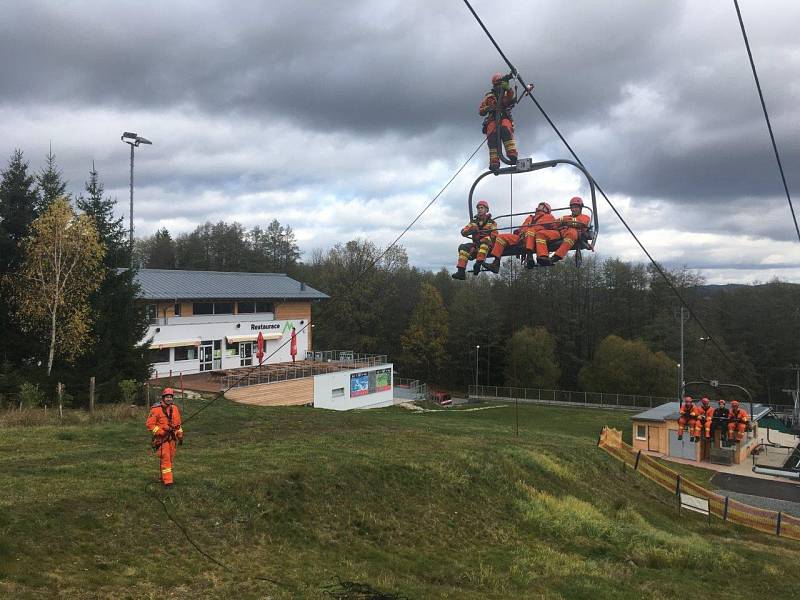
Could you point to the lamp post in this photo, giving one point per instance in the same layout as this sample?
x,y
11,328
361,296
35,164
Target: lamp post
x,y
680,396
477,349
133,140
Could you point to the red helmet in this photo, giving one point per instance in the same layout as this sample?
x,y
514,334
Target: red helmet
x,y
705,401
167,392
545,205
576,201
721,402
496,78
735,404
483,203
687,399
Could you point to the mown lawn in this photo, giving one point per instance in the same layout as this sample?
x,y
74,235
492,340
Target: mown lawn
x,y
423,505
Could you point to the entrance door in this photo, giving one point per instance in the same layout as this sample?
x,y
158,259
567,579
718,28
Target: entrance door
x,y
681,448
206,355
217,355
245,354
653,435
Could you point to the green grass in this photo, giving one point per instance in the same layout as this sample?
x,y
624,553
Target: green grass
x,y
443,504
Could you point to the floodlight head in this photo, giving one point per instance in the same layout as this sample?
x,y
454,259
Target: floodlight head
x,y
128,135
141,140
134,139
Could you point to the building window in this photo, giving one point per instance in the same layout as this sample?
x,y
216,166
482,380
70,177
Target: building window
x,y
223,308
158,356
337,392
264,307
186,353
641,432
151,313
246,307
177,309
232,349
203,308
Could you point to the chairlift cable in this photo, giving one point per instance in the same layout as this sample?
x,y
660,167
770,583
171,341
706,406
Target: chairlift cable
x,y
766,118
613,208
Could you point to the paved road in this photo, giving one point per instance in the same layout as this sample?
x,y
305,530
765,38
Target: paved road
x,y
765,488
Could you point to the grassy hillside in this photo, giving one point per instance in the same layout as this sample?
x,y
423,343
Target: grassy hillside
x,y
424,505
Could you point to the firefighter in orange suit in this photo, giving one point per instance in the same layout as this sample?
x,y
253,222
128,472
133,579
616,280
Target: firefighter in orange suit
x,y
687,418
571,227
524,237
164,422
483,230
702,424
497,104
738,422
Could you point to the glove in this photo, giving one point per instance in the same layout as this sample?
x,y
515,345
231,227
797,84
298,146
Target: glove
x,y
180,441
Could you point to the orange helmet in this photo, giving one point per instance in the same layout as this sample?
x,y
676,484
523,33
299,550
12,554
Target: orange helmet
x,y
734,404
483,203
576,201
167,392
687,399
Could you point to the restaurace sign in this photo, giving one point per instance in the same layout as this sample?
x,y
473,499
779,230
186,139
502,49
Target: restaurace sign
x,y
254,327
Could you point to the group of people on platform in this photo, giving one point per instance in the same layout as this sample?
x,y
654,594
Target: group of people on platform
x,y
703,419
530,240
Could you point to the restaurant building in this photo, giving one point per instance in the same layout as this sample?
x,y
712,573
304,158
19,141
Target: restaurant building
x,y
209,320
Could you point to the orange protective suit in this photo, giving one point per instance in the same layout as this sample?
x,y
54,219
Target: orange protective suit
x,y
702,424
164,422
738,422
571,228
489,109
687,418
483,233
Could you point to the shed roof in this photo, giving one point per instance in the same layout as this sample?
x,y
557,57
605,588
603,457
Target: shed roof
x,y
671,411
167,284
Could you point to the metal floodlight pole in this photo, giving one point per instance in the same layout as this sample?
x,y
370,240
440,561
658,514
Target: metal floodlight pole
x,y
133,140
477,349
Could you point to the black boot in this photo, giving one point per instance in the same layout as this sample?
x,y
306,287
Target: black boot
x,y
476,268
544,261
680,435
494,267
459,274
530,261
512,160
555,258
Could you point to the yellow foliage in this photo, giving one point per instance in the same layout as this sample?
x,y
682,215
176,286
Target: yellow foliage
x,y
62,266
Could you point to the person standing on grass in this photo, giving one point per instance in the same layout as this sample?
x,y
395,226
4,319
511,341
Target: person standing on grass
x,y
164,422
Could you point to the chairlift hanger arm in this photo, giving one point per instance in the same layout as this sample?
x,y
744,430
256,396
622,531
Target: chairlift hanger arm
x,y
526,165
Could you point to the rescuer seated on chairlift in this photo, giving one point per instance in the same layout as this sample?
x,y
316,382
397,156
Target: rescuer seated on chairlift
x,y
525,239
738,422
482,230
687,418
702,423
496,107
571,227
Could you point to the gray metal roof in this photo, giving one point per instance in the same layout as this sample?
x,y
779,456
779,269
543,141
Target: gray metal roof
x,y
671,411
166,284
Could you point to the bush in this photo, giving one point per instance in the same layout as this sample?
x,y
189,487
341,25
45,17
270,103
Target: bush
x,y
30,395
129,389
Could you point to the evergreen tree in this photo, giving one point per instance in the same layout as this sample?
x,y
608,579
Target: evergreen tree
x,y
50,183
17,209
17,212
158,251
110,229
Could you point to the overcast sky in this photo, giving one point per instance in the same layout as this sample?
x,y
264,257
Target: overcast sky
x,y
343,119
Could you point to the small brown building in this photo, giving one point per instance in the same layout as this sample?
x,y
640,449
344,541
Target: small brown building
x,y
656,431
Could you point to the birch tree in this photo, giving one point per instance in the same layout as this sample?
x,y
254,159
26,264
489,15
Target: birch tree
x,y
62,265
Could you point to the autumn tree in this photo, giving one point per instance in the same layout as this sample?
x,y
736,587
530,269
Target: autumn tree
x,y
62,265
532,359
629,367
425,339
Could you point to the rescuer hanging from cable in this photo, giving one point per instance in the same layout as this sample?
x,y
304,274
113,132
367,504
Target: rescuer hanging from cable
x,y
164,422
482,229
496,106
702,424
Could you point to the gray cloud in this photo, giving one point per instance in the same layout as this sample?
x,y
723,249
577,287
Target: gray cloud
x,y
313,113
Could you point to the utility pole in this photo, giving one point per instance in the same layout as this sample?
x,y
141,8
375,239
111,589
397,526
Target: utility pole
x,y
133,140
682,365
